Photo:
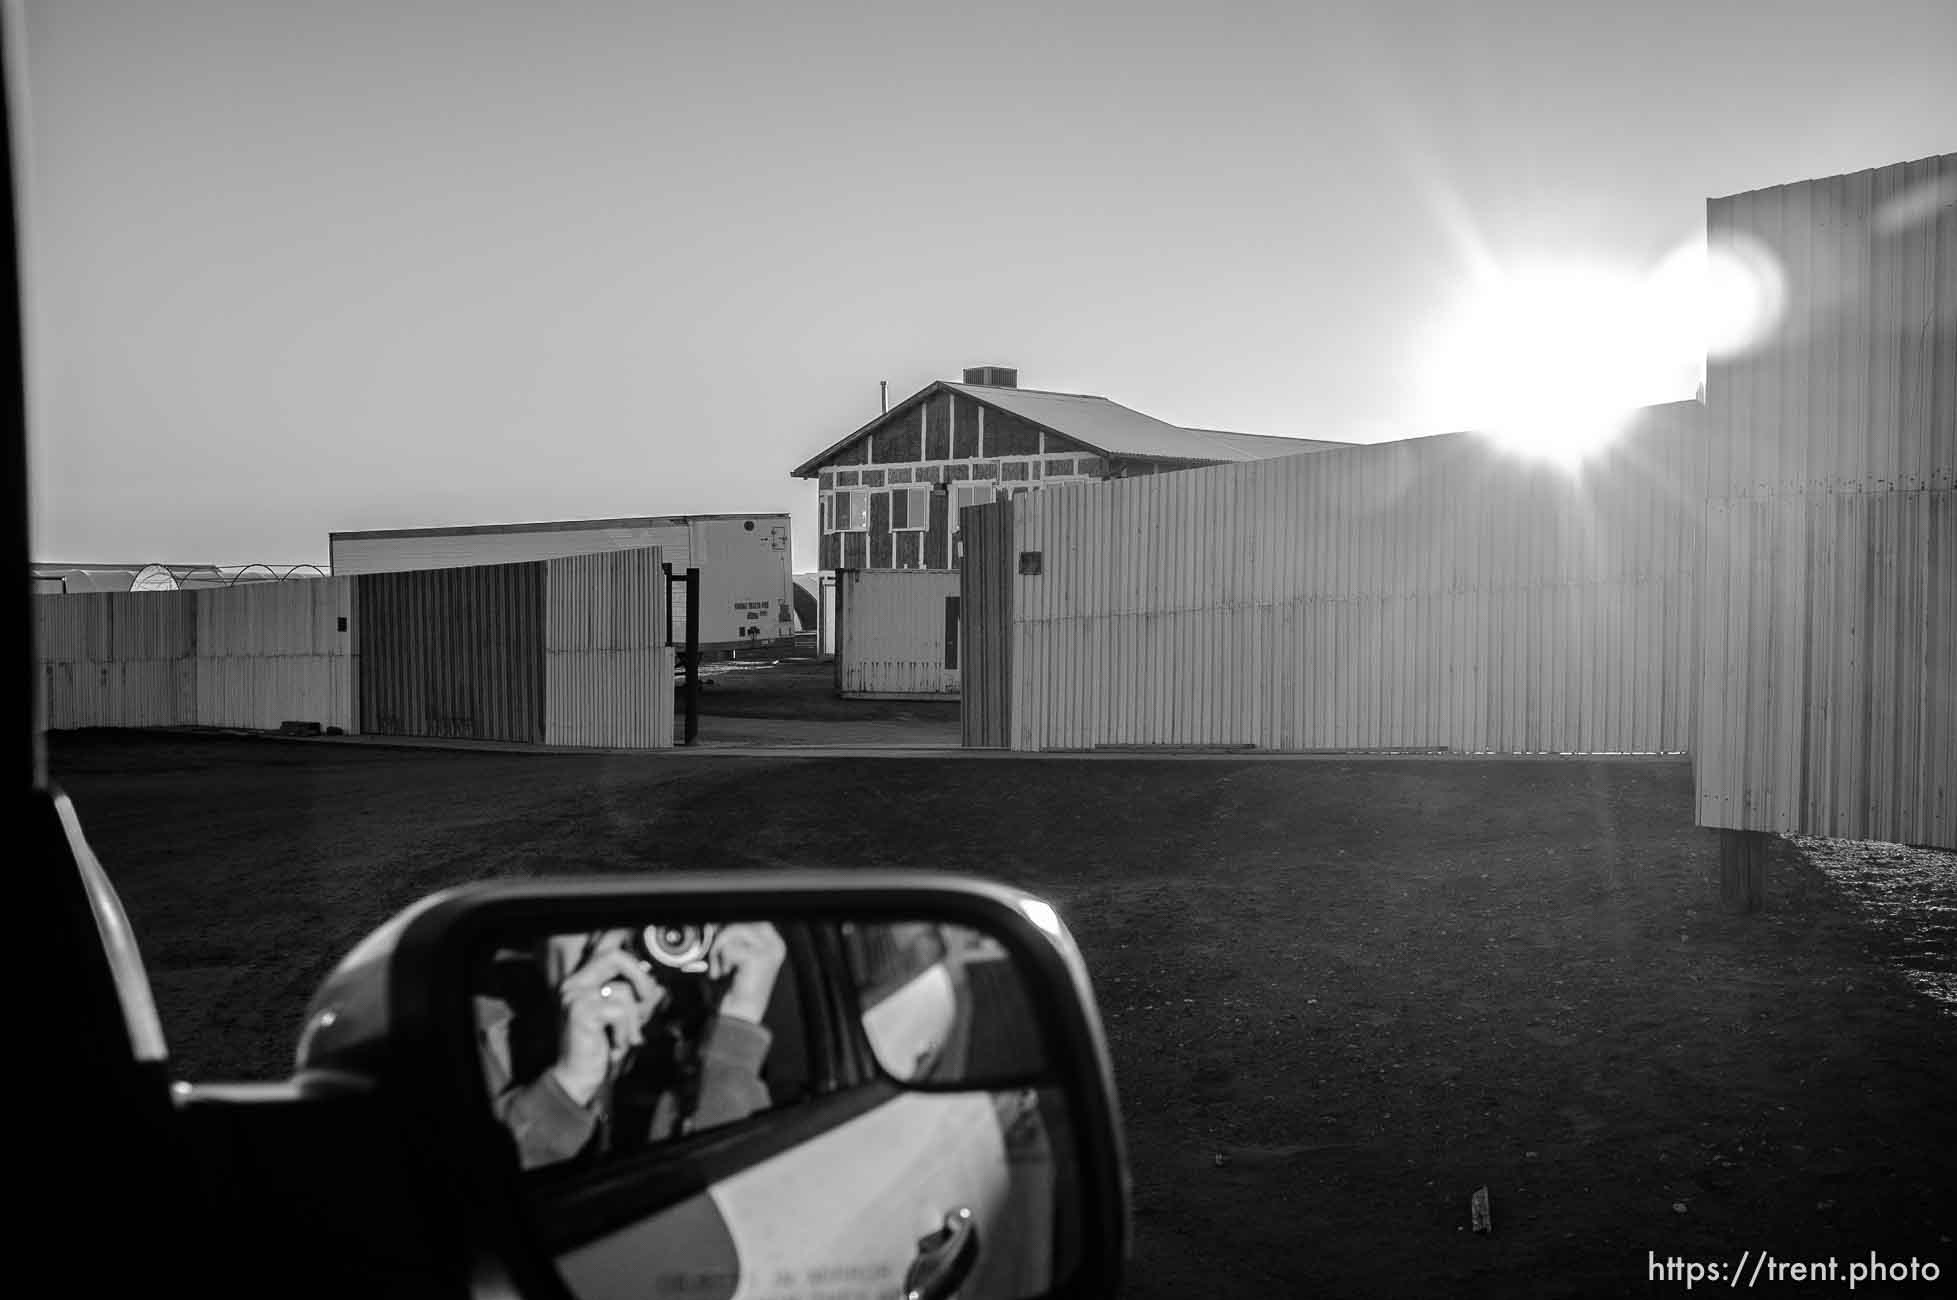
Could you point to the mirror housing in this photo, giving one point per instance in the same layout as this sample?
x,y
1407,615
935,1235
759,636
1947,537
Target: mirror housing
x,y
390,1014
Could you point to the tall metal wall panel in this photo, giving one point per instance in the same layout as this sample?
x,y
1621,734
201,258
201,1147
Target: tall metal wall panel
x,y
1436,593
124,693
455,653
608,671
986,627
117,659
614,699
70,630
897,636
275,652
1830,580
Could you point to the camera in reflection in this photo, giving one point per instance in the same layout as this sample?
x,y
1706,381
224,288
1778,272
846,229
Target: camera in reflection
x,y
675,949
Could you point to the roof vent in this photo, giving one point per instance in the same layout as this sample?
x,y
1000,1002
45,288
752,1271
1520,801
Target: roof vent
x,y
992,376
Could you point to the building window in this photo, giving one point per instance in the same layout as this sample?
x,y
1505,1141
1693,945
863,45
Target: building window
x,y
849,512
968,494
910,509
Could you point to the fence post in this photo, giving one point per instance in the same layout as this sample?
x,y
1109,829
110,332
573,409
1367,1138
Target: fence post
x,y
692,654
666,568
1743,870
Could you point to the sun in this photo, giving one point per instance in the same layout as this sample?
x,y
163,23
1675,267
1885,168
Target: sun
x,y
1550,360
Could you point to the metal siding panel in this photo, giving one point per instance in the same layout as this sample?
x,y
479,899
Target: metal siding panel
x,y
608,674
610,698
1837,443
895,643
118,659
453,653
269,653
1942,461
1425,593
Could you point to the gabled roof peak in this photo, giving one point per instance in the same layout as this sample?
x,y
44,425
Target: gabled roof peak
x,y
1100,424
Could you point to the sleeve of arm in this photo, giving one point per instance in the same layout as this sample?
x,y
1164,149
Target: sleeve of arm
x,y
731,1056
548,1126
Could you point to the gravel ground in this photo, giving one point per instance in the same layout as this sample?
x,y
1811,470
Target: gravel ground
x,y
1909,897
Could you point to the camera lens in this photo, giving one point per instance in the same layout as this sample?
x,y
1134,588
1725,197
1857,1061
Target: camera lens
x,y
678,946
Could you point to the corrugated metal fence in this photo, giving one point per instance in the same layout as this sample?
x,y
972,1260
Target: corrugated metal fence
x,y
453,653
118,659
251,656
1430,594
272,652
901,640
608,675
1830,596
568,652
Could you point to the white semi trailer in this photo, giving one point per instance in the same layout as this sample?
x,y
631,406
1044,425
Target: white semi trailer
x,y
746,598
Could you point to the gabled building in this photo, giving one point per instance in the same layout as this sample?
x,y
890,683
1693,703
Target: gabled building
x,y
890,491
890,495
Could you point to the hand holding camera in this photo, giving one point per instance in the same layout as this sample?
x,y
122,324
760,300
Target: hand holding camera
x,y
748,956
739,961
607,1000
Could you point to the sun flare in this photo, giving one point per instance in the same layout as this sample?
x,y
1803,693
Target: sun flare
x,y
1551,360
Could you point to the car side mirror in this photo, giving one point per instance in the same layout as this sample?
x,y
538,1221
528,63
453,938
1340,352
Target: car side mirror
x,y
757,1084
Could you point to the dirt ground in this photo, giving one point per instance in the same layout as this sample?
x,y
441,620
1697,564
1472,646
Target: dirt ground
x,y
1341,995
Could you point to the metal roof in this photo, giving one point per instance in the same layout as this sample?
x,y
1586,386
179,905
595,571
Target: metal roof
x,y
549,526
1100,425
1264,446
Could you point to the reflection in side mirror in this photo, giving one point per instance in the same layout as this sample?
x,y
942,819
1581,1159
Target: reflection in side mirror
x,y
597,1042
780,1107
942,1005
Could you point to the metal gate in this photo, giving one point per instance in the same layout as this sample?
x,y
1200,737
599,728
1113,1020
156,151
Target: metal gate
x,y
985,625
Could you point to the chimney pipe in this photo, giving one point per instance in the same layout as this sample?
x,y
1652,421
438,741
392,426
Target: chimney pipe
x,y
883,395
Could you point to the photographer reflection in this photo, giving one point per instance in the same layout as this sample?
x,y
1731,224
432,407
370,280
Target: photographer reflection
x,y
601,1042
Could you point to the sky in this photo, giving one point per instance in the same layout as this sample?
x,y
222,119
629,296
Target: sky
x,y
294,268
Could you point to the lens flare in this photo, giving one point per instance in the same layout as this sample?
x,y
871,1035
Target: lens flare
x,y
1729,298
1916,206
1551,360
